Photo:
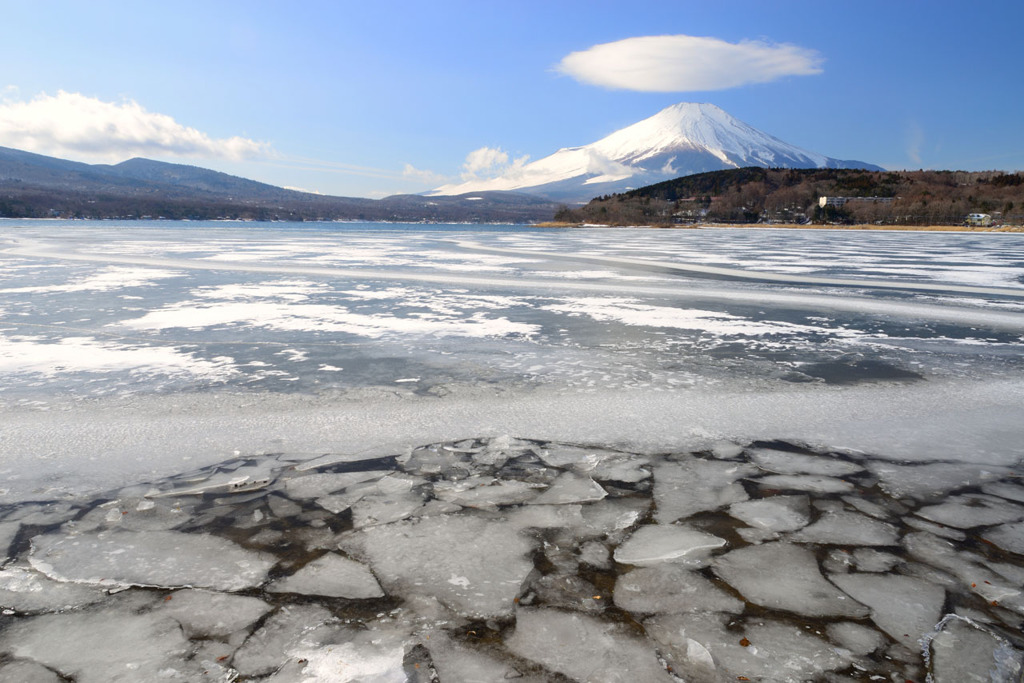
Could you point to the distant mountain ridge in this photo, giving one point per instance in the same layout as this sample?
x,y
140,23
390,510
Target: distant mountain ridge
x,y
39,186
681,140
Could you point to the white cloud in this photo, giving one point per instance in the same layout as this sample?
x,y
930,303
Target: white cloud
x,y
75,125
423,175
484,161
687,63
490,162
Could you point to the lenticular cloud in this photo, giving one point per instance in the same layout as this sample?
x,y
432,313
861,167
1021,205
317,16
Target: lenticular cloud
x,y
687,63
72,124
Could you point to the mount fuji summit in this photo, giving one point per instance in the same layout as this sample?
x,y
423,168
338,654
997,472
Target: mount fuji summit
x,y
680,140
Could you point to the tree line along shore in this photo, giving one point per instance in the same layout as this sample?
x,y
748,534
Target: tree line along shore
x,y
835,198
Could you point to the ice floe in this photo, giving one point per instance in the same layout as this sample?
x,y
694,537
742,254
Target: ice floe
x,y
692,485
709,648
964,512
963,651
785,576
776,513
571,488
584,648
488,493
27,591
1007,536
332,576
809,482
655,543
841,527
153,558
667,588
209,614
270,646
474,566
1005,490
856,638
906,608
8,531
783,462
115,644
925,481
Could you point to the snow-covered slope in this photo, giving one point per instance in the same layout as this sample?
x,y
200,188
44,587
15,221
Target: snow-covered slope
x,y
683,139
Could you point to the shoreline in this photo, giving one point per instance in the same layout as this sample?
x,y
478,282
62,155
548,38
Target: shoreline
x,y
791,226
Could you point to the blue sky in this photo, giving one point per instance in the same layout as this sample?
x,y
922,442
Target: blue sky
x,y
371,99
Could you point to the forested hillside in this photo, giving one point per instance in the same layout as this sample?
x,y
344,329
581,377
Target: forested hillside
x,y
759,195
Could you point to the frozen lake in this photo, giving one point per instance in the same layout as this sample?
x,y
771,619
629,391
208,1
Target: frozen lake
x,y
364,452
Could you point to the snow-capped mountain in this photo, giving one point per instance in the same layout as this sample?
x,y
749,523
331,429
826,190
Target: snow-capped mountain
x,y
680,140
